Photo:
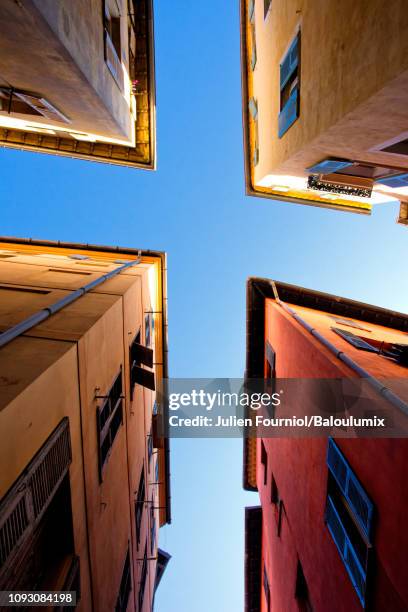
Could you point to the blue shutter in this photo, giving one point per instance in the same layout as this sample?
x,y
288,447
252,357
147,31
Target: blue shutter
x,y
358,500
288,114
328,166
349,557
401,180
356,341
253,108
289,63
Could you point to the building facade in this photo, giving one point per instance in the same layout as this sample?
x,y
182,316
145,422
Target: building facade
x,y
77,79
328,534
325,92
84,484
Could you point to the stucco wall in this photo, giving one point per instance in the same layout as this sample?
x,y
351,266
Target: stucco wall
x,y
353,81
56,49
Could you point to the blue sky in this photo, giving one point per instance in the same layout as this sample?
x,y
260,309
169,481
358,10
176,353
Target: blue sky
x,y
194,208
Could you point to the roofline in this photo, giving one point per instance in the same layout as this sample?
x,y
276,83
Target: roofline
x,y
250,189
260,289
163,266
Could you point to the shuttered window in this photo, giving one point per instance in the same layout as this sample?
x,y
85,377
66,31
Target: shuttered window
x,y
350,487
141,356
24,505
355,340
328,166
109,419
267,590
112,44
152,527
125,586
400,180
264,461
139,505
267,5
349,517
143,579
289,87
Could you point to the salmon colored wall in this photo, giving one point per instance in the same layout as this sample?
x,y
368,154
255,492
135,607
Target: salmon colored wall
x,y
300,471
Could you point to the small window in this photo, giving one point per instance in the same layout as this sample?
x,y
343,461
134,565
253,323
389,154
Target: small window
x,y
150,447
143,579
398,148
270,376
112,43
125,586
264,461
152,527
302,591
148,329
289,87
109,419
349,516
267,589
355,341
274,492
267,6
350,323
253,47
140,355
139,505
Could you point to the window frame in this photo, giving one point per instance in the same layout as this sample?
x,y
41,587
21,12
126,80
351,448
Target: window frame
x,y
113,403
289,108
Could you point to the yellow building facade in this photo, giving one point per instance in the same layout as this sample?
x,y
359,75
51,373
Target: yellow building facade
x,y
325,102
84,484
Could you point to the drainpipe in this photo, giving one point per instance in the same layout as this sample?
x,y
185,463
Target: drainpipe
x,y
45,313
381,389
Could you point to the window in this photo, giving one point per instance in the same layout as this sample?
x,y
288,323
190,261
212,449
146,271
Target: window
x,y
396,181
398,148
350,323
148,329
112,41
302,591
356,341
152,527
125,586
140,355
253,46
36,534
264,461
274,492
267,5
13,101
139,505
349,518
143,580
267,590
109,419
150,447
289,87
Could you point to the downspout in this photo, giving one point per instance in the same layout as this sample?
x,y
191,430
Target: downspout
x,y
381,389
45,313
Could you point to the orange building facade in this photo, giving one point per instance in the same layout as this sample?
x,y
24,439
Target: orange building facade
x,y
329,532
84,484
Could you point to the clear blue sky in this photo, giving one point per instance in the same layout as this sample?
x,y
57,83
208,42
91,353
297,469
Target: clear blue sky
x,y
194,208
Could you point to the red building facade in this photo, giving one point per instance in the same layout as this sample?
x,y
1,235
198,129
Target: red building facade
x,y
329,534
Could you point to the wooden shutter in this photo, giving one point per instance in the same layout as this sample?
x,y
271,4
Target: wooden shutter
x,y
141,354
289,63
142,377
23,506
